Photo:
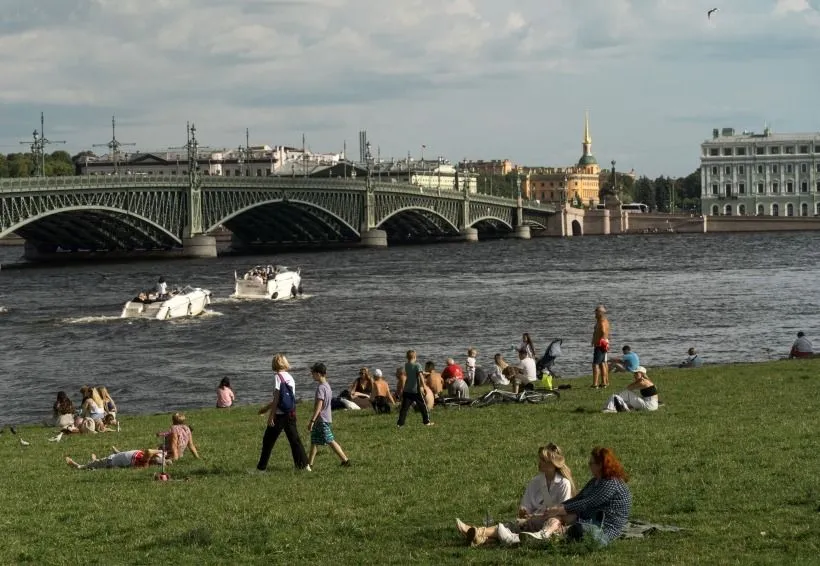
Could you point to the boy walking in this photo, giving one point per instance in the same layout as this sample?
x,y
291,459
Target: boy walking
x,y
413,390
321,432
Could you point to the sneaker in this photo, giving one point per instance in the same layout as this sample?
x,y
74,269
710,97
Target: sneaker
x,y
506,536
533,538
429,424
609,411
308,468
346,463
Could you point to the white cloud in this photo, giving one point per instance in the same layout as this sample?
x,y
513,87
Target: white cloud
x,y
466,77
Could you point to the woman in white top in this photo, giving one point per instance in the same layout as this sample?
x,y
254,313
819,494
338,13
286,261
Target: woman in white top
x,y
497,376
552,486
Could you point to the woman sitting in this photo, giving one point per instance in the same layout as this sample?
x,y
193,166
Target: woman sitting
x,y
361,389
553,485
109,407
178,438
497,376
601,510
92,407
63,412
640,395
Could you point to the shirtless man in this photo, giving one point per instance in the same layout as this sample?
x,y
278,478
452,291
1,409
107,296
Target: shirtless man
x,y
599,335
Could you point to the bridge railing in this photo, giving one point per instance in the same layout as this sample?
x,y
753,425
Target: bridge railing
x,y
77,182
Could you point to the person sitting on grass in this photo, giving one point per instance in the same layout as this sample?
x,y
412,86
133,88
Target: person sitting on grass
x,y
381,400
319,425
802,347
128,459
628,362
525,375
553,485
601,509
178,438
692,360
640,395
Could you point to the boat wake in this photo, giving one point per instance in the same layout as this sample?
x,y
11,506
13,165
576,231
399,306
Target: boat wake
x,y
89,319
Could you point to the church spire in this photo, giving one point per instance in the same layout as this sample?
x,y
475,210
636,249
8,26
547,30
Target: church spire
x,y
587,139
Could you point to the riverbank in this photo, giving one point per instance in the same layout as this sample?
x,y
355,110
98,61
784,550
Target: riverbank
x,y
694,463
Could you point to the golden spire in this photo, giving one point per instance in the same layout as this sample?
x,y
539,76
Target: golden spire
x,y
587,139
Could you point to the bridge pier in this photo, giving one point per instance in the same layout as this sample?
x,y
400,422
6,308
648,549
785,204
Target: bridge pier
x,y
374,238
468,235
522,232
199,246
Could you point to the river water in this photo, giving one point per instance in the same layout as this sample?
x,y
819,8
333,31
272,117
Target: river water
x,y
734,297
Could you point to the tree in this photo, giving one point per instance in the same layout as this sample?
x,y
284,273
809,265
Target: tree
x,y
4,166
644,191
59,164
663,193
20,164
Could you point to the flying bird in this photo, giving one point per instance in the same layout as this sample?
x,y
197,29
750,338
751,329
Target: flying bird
x,y
24,443
710,12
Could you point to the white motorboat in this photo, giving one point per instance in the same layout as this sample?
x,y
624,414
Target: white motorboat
x,y
190,301
274,282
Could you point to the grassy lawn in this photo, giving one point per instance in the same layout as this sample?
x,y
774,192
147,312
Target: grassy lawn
x,y
732,457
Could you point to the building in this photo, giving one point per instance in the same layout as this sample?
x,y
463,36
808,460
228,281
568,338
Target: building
x,y
254,161
559,185
491,167
764,174
438,174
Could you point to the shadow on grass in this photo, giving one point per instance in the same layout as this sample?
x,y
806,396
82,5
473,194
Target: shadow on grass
x,y
198,537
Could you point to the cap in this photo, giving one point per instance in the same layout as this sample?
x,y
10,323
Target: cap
x,y
377,373
641,369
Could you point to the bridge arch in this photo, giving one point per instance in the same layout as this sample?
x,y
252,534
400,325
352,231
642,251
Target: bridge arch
x,y
92,226
423,211
492,219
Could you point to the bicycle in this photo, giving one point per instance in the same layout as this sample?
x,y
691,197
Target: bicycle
x,y
496,396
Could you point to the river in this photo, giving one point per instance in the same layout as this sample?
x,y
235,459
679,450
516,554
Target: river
x,y
734,297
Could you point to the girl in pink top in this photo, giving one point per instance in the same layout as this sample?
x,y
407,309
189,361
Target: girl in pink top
x,y
179,437
224,394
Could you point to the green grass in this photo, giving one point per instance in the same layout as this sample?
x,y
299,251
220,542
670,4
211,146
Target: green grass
x,y
732,455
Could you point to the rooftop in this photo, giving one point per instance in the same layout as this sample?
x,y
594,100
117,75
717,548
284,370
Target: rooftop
x,y
728,135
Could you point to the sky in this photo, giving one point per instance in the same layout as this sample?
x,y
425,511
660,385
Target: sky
x,y
474,79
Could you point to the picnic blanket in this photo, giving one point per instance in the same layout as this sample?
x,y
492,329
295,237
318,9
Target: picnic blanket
x,y
640,529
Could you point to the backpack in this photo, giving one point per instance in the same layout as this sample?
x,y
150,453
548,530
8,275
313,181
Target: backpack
x,y
287,403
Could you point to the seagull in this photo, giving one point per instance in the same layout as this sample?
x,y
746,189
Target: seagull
x,y
710,12
57,438
24,443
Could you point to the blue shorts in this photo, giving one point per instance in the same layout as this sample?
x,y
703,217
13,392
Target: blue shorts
x,y
598,356
321,433
591,528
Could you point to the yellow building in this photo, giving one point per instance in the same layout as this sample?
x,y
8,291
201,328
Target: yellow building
x,y
564,184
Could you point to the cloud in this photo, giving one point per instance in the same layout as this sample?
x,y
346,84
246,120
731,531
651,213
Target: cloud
x,y
465,77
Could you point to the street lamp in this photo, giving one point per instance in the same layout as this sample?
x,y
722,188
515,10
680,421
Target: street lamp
x,y
564,191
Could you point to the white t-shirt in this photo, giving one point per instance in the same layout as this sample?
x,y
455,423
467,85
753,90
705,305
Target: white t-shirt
x,y
538,496
470,368
803,345
123,459
289,380
527,365
162,288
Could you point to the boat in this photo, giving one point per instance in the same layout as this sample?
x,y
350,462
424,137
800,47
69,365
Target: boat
x,y
189,301
274,282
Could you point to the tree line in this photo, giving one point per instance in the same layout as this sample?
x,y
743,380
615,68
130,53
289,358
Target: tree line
x,y
58,163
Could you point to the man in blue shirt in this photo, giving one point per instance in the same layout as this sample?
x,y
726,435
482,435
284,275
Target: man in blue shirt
x,y
628,362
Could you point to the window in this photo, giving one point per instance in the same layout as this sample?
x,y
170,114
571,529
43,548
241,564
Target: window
x,y
728,189
727,151
714,189
728,210
789,168
714,171
227,172
790,209
715,209
713,151
774,169
760,210
818,167
741,210
804,209
173,172
804,167
774,150
789,149
727,170
789,187
804,187
775,210
741,151
741,170
741,188
775,187
759,169
760,151
760,188
258,172
818,186
804,149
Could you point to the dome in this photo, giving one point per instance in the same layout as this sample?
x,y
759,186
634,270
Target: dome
x,y
587,160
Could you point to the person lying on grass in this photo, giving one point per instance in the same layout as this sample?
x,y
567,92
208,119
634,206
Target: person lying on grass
x,y
600,511
553,485
127,459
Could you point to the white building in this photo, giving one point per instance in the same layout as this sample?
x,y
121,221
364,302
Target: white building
x,y
255,161
760,174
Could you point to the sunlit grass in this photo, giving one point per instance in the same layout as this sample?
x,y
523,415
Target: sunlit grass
x,y
732,457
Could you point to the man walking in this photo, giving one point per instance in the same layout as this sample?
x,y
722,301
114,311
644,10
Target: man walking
x,y
600,344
